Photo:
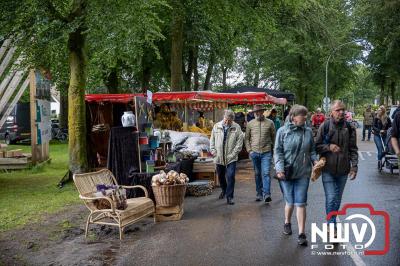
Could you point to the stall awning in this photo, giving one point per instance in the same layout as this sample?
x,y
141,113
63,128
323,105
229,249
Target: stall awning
x,y
205,96
114,98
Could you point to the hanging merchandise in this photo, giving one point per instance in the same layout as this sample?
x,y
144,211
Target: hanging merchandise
x,y
99,124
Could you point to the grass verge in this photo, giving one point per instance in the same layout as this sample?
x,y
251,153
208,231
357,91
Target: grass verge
x,y
26,195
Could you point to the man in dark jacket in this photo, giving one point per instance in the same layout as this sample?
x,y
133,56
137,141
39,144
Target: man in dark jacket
x,y
337,142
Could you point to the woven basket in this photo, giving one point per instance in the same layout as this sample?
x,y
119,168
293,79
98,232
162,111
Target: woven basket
x,y
168,196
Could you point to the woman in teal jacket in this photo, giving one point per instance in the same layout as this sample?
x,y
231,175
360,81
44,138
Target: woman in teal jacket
x,y
295,155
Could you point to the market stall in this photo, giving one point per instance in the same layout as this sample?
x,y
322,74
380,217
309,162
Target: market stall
x,y
175,114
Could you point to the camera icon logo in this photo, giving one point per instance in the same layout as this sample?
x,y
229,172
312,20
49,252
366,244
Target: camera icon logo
x,y
364,235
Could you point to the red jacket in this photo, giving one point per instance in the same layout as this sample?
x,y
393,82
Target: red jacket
x,y
318,119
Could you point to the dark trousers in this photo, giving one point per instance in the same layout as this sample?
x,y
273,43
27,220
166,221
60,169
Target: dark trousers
x,y
226,175
369,128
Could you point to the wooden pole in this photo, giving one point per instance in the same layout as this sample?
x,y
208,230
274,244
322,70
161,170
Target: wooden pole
x,y
33,116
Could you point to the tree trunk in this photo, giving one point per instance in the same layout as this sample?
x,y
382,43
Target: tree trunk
x,y
111,80
146,76
176,49
210,67
300,89
64,109
188,74
256,80
382,94
224,76
300,95
393,92
76,101
195,68
387,95
306,97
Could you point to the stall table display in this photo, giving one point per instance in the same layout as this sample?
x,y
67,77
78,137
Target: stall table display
x,y
204,169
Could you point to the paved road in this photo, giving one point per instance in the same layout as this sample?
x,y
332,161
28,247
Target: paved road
x,y
250,233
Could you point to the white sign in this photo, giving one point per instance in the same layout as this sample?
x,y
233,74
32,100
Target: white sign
x,y
326,107
149,97
326,100
43,121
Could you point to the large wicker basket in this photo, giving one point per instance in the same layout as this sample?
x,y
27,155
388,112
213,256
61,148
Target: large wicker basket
x,y
169,195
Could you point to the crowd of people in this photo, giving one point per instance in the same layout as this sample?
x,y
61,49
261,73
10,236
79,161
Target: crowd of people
x,y
292,149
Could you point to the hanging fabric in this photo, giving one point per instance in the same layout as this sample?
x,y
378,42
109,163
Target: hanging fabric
x,y
99,124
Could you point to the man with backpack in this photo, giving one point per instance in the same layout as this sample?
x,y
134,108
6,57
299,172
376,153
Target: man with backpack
x,y
337,142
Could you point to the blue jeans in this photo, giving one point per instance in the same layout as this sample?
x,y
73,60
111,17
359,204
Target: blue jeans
x,y
333,186
261,164
379,146
295,191
226,176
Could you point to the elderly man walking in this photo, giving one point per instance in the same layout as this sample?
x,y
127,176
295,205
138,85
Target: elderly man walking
x,y
225,144
337,142
259,140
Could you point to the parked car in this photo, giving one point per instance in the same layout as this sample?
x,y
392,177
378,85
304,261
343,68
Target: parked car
x,y
18,125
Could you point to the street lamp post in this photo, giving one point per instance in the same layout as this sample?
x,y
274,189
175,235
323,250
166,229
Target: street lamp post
x,y
326,67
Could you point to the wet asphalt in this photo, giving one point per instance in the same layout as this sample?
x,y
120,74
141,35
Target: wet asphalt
x,y
250,232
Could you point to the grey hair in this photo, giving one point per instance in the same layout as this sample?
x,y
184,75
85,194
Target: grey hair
x,y
337,102
298,109
228,113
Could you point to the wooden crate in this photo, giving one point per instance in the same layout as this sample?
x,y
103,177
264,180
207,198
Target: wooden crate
x,y
164,214
203,167
205,175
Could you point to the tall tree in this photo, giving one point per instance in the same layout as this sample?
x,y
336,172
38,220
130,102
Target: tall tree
x,y
177,45
53,31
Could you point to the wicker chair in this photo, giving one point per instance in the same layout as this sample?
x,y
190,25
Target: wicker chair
x,y
137,209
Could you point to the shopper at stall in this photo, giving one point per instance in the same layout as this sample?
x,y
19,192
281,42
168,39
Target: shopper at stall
x,y
201,120
259,140
337,142
379,128
294,156
225,144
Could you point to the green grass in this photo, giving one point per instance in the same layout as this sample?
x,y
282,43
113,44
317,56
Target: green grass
x,y
26,195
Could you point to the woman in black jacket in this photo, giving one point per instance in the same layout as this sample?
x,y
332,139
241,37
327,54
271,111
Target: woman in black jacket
x,y
380,126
